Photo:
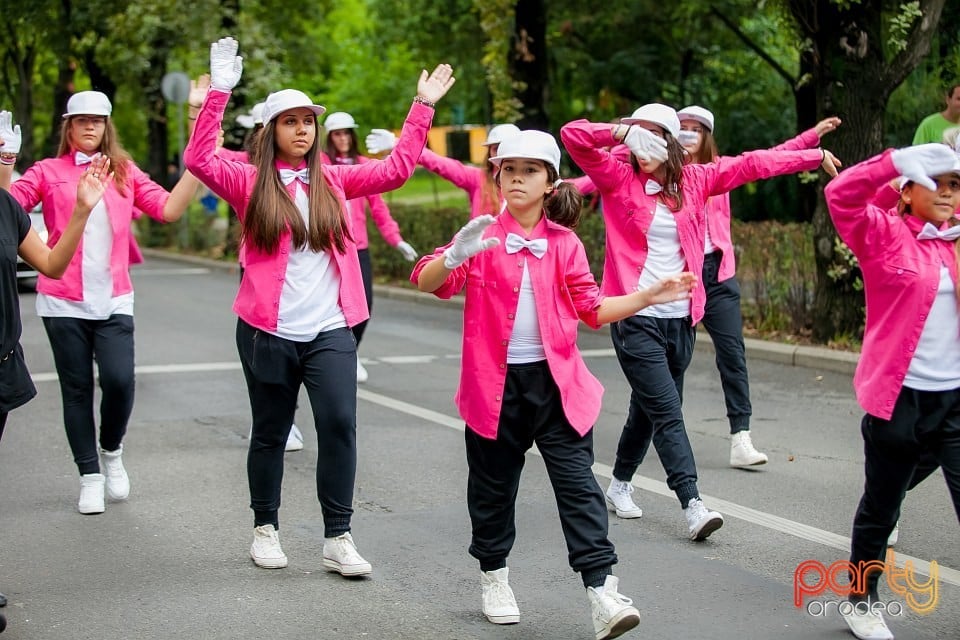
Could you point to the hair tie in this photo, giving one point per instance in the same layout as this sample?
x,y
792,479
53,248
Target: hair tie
x,y
557,183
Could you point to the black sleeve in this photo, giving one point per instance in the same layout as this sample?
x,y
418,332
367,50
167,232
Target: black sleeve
x,y
23,220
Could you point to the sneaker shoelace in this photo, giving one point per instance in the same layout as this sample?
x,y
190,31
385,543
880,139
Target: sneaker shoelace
x,y
501,594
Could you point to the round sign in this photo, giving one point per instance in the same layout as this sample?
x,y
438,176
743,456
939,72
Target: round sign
x,y
175,87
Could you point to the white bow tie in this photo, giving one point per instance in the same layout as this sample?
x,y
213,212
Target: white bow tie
x,y
930,232
652,188
289,175
515,243
82,158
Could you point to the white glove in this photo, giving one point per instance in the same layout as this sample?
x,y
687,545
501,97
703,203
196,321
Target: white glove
x,y
9,134
226,66
923,160
645,145
469,241
409,253
380,140
687,137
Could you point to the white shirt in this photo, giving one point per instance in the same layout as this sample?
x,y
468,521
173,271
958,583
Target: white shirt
x,y
310,298
98,301
664,258
526,344
935,365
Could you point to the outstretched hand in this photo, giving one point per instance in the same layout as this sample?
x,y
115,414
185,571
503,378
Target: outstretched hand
x,y
226,66
831,164
93,181
678,287
827,125
433,87
469,241
10,138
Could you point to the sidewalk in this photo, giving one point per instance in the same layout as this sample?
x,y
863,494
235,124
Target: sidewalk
x,y
819,358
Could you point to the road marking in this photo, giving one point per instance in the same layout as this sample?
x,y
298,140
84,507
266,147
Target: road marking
x,y
760,518
763,519
184,271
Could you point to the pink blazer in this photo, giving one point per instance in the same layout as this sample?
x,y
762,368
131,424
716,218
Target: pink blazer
x,y
470,179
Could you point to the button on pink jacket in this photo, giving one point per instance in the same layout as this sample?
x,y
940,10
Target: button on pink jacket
x,y
565,292
258,300
53,182
900,277
628,211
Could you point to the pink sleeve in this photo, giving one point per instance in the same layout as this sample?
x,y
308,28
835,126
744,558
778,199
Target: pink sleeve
x,y
467,178
809,139
583,184
379,176
227,179
727,173
454,282
234,156
148,196
380,213
586,142
583,286
28,190
849,197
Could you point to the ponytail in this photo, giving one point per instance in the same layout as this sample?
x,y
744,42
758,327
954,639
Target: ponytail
x,y
564,204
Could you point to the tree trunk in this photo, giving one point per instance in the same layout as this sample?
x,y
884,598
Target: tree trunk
x,y
853,79
528,62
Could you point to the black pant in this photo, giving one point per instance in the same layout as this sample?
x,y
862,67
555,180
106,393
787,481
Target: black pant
x,y
3,422
366,270
274,369
654,354
724,323
923,422
75,343
532,413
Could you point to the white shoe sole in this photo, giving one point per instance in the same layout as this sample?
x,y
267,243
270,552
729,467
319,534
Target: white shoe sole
x,y
91,510
626,515
706,529
269,563
117,496
347,572
746,464
621,623
508,619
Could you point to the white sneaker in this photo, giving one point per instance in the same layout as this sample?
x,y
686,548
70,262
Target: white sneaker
x,y
618,497
91,493
742,451
362,374
894,536
340,554
613,614
294,440
701,521
118,483
265,550
499,605
867,625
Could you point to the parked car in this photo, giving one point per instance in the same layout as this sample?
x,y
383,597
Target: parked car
x,y
27,275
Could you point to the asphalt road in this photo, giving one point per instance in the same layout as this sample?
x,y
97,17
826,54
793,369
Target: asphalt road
x,y
173,560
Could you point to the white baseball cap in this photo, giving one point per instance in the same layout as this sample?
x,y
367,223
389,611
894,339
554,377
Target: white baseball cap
x,y
252,119
286,99
698,114
530,144
339,120
88,103
658,114
497,134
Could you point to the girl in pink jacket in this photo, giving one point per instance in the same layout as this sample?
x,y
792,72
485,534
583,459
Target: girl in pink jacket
x,y
88,313
653,215
341,148
908,377
301,291
523,380
722,318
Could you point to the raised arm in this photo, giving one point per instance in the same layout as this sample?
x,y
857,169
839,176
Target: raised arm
x,y
587,144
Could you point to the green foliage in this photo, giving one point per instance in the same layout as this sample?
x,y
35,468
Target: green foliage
x,y
901,24
496,20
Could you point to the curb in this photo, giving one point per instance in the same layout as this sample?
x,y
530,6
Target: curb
x,y
817,358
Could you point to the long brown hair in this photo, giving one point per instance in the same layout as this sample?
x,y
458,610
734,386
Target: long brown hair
x,y
271,210
672,193
110,146
708,151
490,189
